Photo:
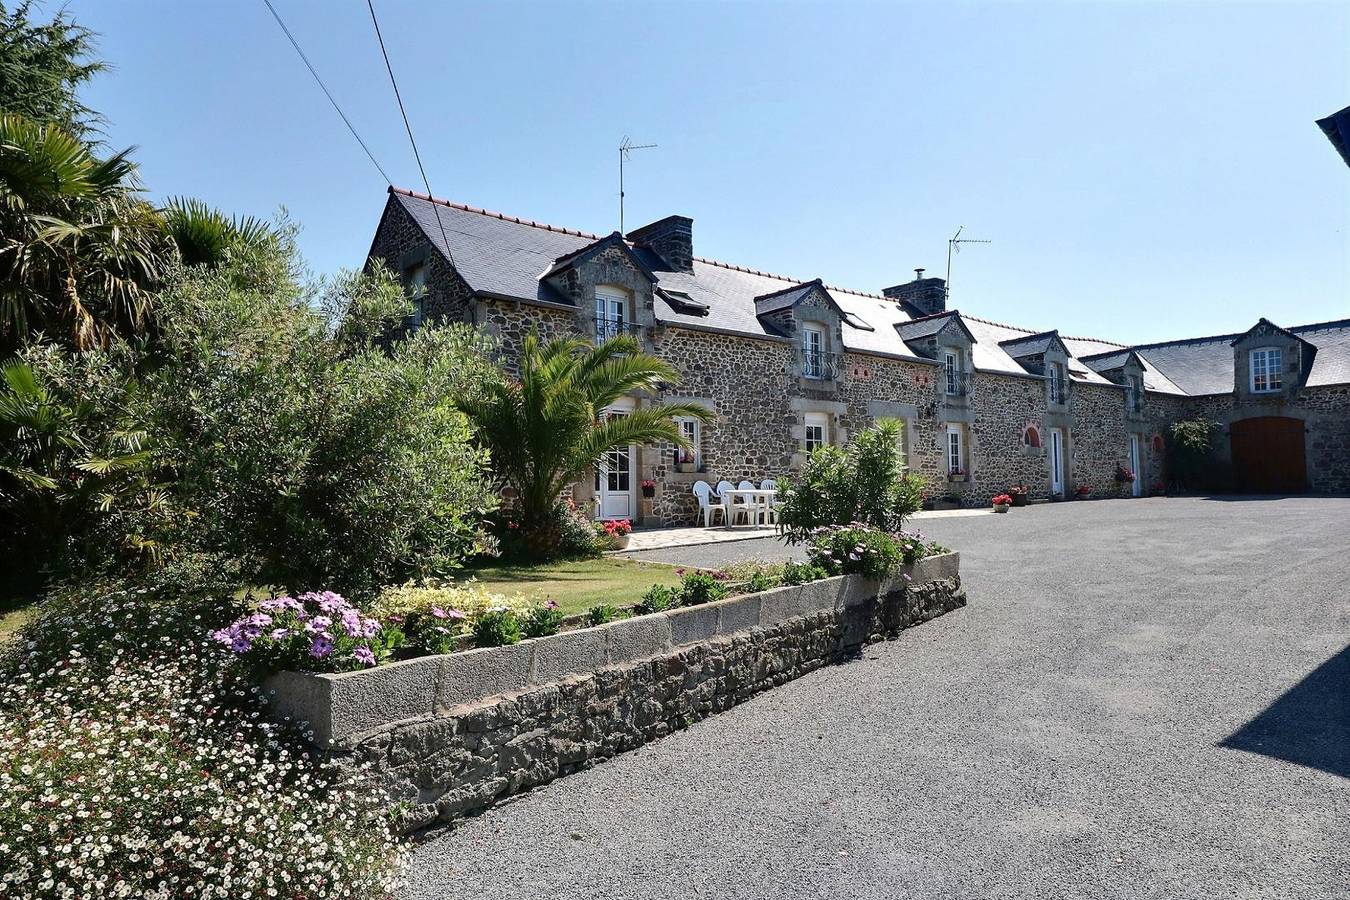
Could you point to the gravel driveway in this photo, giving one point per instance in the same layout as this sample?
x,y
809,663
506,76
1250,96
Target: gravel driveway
x,y
1146,698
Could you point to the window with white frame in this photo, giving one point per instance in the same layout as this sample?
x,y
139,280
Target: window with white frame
x,y
692,431
813,352
611,313
817,431
1267,364
956,458
415,284
951,367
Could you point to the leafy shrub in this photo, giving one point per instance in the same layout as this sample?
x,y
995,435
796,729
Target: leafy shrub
x,y
497,627
433,615
803,573
603,613
697,588
1189,462
302,442
134,761
865,482
541,619
855,550
573,529
751,576
310,633
658,598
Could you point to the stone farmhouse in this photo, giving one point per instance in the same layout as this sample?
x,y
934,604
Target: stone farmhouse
x,y
788,365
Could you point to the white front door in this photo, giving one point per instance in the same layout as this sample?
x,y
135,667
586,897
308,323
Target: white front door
x,y
1056,461
614,481
1136,487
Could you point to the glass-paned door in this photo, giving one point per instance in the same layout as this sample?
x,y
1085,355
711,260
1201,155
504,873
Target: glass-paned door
x,y
1136,486
614,480
1056,461
610,312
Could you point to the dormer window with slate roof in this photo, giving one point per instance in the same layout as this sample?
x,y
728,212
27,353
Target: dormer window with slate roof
x,y
1270,362
1267,368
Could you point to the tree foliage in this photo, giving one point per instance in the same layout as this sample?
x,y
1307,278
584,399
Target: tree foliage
x,y
865,482
1188,452
547,428
42,67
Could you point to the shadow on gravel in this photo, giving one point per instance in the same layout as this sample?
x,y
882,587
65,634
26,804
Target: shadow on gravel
x,y
1309,724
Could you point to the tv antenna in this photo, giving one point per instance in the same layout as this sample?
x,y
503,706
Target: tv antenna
x,y
954,243
626,146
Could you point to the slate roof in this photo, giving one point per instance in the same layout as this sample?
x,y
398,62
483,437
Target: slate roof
x,y
1031,345
1205,365
504,256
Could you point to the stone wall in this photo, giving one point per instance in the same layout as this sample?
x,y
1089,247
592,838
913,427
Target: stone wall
x,y
1325,412
399,243
452,734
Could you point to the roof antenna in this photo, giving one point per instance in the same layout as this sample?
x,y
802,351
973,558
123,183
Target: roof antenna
x,y
955,244
625,147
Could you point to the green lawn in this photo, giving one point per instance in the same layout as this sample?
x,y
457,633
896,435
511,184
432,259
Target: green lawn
x,y
12,617
577,584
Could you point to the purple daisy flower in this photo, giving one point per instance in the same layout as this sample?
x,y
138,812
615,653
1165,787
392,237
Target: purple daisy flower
x,y
364,656
322,646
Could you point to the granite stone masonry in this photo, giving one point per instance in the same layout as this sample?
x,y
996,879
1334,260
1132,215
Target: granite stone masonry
x,y
775,359
448,735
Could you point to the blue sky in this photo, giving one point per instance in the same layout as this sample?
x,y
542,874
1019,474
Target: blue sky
x,y
1145,171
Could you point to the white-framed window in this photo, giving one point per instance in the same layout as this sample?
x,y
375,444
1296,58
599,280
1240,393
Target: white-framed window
x,y
1267,367
693,432
415,284
813,352
611,313
956,456
952,368
817,431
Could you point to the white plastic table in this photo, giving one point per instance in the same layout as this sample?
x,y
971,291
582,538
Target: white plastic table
x,y
753,500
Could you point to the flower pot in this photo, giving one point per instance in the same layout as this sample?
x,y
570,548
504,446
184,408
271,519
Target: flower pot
x,y
619,541
1000,507
1087,496
649,492
684,467
1019,499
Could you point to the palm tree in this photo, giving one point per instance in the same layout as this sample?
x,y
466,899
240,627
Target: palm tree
x,y
546,429
56,484
79,249
203,234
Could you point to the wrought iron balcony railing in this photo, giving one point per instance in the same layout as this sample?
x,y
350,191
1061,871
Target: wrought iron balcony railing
x,y
1059,392
819,365
955,383
609,328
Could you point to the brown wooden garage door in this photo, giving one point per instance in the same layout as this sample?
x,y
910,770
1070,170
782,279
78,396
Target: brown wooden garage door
x,y
1268,455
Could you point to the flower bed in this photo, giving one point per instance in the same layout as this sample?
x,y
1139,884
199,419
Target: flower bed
x,y
450,734
339,706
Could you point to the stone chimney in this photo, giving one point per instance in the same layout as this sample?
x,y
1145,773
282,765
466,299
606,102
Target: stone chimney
x,y
926,295
671,238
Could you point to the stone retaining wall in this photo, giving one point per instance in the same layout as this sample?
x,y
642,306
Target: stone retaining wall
x,y
449,735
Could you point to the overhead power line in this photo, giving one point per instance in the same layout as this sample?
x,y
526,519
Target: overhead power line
x,y
426,182
327,93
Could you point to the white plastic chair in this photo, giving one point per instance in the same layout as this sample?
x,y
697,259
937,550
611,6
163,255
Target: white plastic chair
x,y
703,491
755,507
771,513
732,509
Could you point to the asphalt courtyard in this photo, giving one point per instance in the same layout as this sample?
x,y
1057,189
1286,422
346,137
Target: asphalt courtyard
x,y
1144,699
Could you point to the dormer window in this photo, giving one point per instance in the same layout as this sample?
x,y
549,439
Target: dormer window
x,y
611,314
813,352
951,367
1267,364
